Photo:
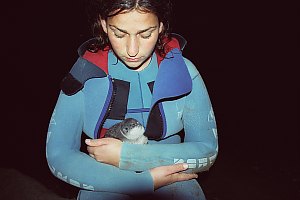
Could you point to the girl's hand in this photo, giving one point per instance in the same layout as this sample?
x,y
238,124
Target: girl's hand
x,y
165,175
105,150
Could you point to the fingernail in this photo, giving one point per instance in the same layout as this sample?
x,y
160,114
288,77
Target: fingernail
x,y
185,166
87,141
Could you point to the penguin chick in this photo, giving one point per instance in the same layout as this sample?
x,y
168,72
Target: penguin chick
x,y
129,130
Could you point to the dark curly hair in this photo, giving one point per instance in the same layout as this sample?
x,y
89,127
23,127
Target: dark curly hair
x,y
103,9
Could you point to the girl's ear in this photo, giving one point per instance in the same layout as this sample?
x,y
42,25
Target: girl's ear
x,y
161,27
103,24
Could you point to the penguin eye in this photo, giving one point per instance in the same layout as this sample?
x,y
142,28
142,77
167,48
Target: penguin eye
x,y
125,129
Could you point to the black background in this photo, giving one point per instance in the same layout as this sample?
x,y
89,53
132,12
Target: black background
x,y
245,52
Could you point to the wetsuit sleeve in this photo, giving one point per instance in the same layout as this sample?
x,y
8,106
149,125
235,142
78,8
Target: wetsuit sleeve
x,y
69,164
200,145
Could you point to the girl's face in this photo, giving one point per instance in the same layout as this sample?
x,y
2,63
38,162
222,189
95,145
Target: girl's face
x,y
133,36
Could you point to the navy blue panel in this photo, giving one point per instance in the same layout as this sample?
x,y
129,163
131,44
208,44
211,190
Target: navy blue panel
x,y
155,126
70,85
150,85
119,99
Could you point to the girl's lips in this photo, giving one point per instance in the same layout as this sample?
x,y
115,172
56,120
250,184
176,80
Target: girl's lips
x,y
132,59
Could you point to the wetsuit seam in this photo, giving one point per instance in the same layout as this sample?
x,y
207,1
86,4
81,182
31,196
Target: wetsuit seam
x,y
141,96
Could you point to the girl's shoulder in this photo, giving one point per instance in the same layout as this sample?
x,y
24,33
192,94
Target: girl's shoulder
x,y
191,67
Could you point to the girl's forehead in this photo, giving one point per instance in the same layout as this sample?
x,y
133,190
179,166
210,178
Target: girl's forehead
x,y
134,16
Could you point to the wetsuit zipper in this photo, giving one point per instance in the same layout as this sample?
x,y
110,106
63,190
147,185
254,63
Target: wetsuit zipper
x,y
110,105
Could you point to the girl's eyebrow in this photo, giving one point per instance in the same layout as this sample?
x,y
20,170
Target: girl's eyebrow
x,y
124,31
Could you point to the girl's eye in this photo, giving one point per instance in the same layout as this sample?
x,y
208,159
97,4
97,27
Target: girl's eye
x,y
118,35
146,36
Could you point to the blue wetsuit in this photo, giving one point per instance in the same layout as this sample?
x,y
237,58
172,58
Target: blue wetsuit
x,y
181,107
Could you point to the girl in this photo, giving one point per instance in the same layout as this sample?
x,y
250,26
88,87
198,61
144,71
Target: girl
x,y
133,68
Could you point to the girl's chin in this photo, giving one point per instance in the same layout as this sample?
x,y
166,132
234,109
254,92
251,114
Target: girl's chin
x,y
138,64
134,65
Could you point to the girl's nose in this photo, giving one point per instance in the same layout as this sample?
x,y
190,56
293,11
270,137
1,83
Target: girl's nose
x,y
132,46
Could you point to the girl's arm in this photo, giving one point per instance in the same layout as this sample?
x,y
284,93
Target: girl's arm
x,y
200,145
76,168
